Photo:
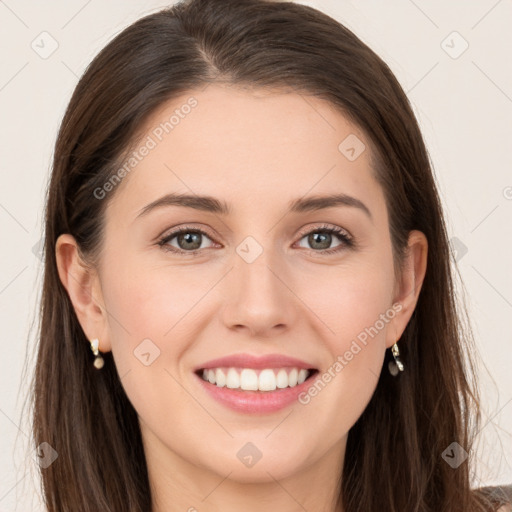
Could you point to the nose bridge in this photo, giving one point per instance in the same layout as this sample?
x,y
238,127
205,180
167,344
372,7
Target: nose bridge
x,y
255,264
261,300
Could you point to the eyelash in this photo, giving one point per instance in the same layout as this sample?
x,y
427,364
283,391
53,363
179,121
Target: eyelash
x,y
347,240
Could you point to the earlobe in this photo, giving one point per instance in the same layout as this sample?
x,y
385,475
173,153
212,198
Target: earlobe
x,y
81,284
410,284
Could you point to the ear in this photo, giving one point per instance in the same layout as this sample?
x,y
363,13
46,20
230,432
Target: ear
x,y
408,286
84,290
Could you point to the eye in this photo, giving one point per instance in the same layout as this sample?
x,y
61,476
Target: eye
x,y
188,240
322,237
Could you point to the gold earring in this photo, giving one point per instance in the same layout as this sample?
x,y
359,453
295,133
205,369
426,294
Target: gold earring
x,y
98,361
395,366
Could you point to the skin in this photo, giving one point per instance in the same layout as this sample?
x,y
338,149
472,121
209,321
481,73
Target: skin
x,y
238,145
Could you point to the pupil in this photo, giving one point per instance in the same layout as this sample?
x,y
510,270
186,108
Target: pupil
x,y
326,241
188,238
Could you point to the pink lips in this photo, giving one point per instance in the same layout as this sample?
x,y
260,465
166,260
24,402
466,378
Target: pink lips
x,y
255,402
249,361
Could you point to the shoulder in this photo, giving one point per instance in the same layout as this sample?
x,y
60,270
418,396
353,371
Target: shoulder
x,y
502,494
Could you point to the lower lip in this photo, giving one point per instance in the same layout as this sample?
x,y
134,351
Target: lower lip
x,y
256,401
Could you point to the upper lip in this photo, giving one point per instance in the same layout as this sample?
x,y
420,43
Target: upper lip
x,y
249,361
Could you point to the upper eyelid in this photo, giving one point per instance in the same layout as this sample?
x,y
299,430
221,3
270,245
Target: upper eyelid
x,y
325,226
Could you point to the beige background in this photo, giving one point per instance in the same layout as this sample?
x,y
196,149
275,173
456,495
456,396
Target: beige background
x,y
464,104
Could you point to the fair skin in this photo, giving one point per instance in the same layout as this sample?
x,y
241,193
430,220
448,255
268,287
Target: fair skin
x,y
257,151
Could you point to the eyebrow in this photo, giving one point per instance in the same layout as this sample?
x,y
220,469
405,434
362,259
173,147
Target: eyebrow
x,y
214,205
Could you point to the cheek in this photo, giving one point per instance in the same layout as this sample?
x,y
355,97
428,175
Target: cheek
x,y
150,310
352,310
150,301
355,311
348,301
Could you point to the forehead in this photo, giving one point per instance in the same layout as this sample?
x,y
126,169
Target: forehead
x,y
247,146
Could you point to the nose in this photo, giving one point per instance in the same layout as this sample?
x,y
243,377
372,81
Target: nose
x,y
259,297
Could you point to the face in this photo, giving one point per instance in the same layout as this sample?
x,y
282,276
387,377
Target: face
x,y
263,278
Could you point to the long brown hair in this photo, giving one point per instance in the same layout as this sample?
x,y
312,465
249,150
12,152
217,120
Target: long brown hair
x,y
412,419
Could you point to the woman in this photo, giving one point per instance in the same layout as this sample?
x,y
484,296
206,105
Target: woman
x,y
247,296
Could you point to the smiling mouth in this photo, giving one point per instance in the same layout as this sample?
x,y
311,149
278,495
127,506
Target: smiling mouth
x,y
256,380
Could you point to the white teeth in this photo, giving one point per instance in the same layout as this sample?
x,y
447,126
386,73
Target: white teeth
x,y
292,378
249,380
302,376
220,378
267,380
233,379
282,379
